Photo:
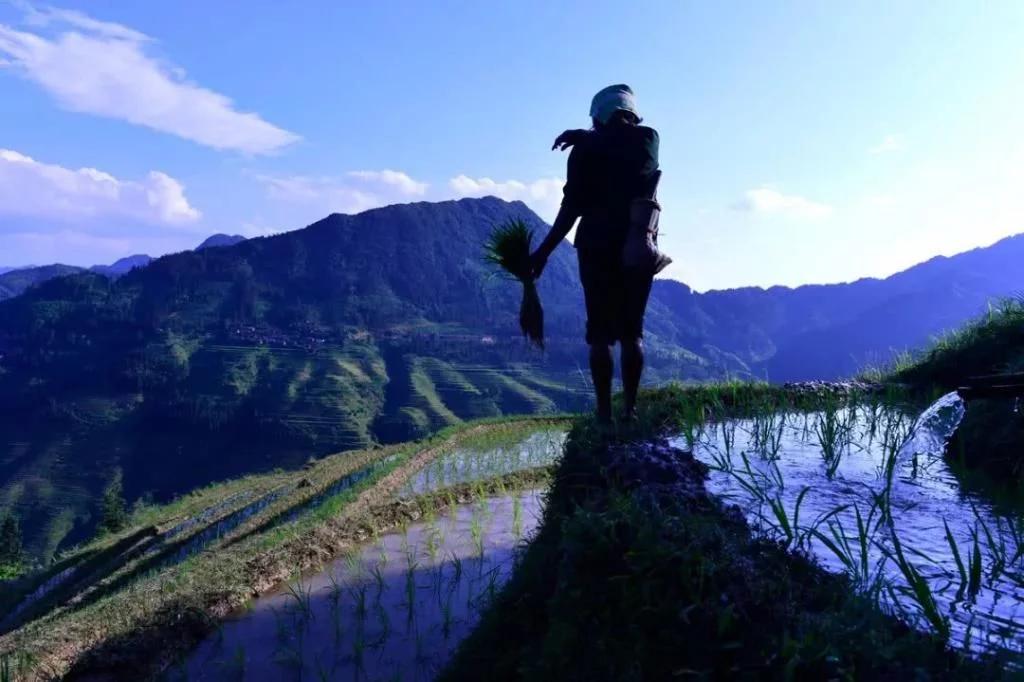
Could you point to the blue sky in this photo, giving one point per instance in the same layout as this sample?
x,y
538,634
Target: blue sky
x,y
801,142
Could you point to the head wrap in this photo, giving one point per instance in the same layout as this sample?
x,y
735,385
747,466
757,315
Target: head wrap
x,y
611,99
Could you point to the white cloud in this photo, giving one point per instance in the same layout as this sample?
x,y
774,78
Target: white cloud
x,y
770,201
888,145
401,182
103,68
353,192
34,189
361,190
46,16
544,195
879,200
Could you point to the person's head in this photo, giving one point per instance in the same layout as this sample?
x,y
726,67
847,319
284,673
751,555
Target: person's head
x,y
614,105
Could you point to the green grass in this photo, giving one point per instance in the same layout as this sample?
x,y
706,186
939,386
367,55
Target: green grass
x,y
991,344
11,571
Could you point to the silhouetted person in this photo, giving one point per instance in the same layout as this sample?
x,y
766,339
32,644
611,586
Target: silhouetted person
x,y
610,166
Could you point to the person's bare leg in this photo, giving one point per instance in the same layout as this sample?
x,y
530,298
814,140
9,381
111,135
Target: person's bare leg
x,y
632,369
602,366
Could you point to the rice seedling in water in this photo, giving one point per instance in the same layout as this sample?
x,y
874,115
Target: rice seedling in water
x,y
446,615
359,649
385,623
791,530
476,530
410,581
457,570
431,543
768,429
856,563
492,584
917,588
378,578
334,591
517,517
359,596
728,428
302,600
437,578
509,248
955,551
832,430
353,566
997,548
974,572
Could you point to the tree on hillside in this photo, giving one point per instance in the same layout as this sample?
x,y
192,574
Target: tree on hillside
x,y
113,508
10,541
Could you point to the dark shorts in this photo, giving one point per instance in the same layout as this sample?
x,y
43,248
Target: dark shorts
x,y
616,297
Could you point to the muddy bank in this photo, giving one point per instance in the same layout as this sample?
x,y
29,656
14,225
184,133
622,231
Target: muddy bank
x,y
838,389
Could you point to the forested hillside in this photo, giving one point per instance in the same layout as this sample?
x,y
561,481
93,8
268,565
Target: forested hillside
x,y
377,327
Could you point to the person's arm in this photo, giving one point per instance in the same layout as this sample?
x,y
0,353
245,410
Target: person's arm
x,y
569,138
564,221
570,210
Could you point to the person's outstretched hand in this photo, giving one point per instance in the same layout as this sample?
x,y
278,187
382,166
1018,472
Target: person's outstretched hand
x,y
569,138
538,259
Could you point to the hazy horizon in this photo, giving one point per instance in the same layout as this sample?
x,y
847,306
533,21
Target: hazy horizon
x,y
4,267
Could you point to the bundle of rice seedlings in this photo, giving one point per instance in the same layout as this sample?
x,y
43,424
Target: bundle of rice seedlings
x,y
509,248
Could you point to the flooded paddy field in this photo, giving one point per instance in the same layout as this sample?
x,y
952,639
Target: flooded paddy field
x,y
866,489
394,608
155,592
489,460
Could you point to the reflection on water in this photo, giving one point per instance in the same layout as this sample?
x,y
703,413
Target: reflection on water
x,y
867,491
393,609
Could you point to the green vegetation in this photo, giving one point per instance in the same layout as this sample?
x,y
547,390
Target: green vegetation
x,y
11,553
112,506
991,344
15,282
509,248
212,364
637,576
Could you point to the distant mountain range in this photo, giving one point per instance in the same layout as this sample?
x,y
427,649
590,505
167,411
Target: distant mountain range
x,y
833,331
15,280
221,240
377,327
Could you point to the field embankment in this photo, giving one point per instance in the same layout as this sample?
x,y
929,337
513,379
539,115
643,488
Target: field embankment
x,y
637,573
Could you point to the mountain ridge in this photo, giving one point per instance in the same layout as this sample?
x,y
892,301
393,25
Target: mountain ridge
x,y
377,327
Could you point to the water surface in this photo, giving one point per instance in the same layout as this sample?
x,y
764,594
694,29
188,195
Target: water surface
x,y
394,609
865,460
